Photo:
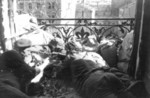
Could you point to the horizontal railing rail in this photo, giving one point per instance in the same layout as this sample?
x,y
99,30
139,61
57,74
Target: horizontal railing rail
x,y
86,18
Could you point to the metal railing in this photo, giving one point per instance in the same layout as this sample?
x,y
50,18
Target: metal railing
x,y
83,27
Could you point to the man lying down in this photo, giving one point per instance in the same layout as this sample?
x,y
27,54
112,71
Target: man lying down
x,y
92,81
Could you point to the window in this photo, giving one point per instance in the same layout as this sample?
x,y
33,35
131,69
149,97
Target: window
x,y
53,16
30,6
38,5
49,5
21,6
53,5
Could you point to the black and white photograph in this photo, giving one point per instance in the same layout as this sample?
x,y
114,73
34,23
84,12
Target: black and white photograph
x,y
74,49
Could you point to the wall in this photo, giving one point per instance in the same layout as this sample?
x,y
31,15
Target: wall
x,y
128,10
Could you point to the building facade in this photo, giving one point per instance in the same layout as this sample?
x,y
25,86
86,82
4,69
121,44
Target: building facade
x,y
40,8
